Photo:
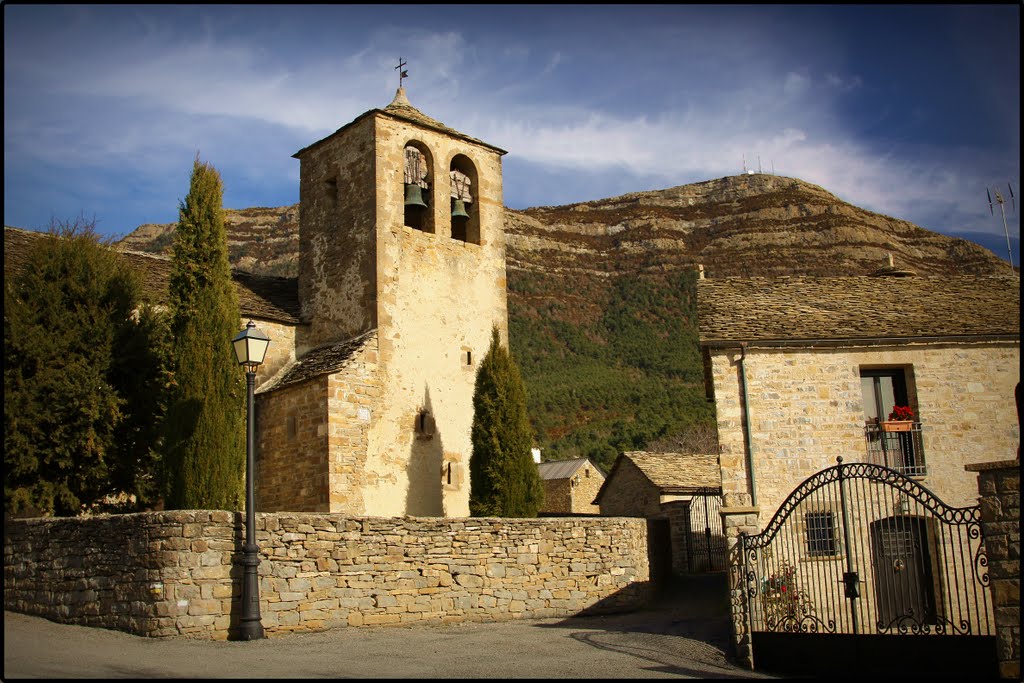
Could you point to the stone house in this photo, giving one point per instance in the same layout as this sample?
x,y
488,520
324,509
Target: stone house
x,y
570,485
683,490
803,370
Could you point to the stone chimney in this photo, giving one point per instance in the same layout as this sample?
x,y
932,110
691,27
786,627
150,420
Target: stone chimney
x,y
536,455
890,270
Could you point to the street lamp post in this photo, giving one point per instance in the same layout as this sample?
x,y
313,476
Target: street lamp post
x,y
250,349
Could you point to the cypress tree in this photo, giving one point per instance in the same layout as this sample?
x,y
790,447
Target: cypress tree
x,y
503,477
205,425
83,380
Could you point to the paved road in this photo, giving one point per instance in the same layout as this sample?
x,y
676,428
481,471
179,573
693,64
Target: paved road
x,y
674,639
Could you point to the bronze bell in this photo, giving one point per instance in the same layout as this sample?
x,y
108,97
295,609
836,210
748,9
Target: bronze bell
x,y
414,196
459,209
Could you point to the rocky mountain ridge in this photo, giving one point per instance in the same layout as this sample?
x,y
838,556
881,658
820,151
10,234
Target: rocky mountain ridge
x,y
745,225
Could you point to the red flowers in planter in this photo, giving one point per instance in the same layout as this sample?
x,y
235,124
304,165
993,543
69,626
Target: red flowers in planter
x,y
902,413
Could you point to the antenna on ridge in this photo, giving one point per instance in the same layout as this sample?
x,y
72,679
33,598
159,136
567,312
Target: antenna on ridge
x,y
1002,211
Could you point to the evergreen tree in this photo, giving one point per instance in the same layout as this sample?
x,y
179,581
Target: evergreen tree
x,y
205,425
83,380
504,481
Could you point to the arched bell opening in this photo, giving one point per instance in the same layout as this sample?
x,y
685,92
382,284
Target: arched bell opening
x,y
465,209
416,187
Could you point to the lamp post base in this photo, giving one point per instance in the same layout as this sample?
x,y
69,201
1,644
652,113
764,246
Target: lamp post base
x,y
247,630
249,625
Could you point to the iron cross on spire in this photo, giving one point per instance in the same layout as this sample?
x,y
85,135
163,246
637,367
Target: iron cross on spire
x,y
402,73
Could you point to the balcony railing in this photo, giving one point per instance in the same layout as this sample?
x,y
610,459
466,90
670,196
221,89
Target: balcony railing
x,y
902,451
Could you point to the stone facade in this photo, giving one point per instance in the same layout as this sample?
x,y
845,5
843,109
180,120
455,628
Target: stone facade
x,y
574,493
629,492
428,290
806,410
281,351
164,574
313,437
999,486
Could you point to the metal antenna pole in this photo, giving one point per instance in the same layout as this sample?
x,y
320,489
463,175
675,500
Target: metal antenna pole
x,y
1006,230
1010,251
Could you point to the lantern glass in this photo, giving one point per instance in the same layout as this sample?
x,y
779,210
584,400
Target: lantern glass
x,y
250,345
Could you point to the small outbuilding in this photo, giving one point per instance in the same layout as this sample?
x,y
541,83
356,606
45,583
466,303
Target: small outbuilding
x,y
683,491
570,485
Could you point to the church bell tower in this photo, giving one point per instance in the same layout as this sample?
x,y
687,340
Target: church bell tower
x,y
402,235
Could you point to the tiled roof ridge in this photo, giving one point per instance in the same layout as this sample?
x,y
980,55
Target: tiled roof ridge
x,y
803,308
561,469
322,360
677,470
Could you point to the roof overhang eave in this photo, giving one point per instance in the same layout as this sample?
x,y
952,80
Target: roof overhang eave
x,y
859,341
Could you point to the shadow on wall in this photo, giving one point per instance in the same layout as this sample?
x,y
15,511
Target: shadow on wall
x,y
424,497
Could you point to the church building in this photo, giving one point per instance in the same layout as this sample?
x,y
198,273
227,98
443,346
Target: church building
x,y
365,404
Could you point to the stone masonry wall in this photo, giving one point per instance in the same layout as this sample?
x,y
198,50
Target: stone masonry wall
x,y
557,496
806,410
353,405
999,486
630,492
586,489
291,448
164,574
281,350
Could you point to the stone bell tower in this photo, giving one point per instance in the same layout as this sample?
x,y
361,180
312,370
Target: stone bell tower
x,y
402,240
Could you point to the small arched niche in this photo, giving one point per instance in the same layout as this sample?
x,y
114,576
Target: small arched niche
x,y
465,209
416,183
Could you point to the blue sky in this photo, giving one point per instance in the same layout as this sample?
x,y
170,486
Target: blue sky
x,y
911,111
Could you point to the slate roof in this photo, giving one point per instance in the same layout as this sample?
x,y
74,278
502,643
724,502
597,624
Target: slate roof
x,y
562,469
259,296
678,473
320,361
400,108
806,309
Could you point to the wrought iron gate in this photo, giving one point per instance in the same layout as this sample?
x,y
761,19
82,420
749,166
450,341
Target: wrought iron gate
x,y
706,549
863,568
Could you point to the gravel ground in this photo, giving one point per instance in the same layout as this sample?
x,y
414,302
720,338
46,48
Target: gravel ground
x,y
685,635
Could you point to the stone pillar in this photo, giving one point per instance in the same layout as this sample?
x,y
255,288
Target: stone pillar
x,y
999,489
738,520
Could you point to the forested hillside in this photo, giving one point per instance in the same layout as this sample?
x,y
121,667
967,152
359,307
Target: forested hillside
x,y
601,293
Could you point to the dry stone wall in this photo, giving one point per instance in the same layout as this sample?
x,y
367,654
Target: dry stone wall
x,y
167,574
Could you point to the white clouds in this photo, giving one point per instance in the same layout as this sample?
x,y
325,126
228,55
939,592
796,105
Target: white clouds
x,y
795,84
843,84
676,104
